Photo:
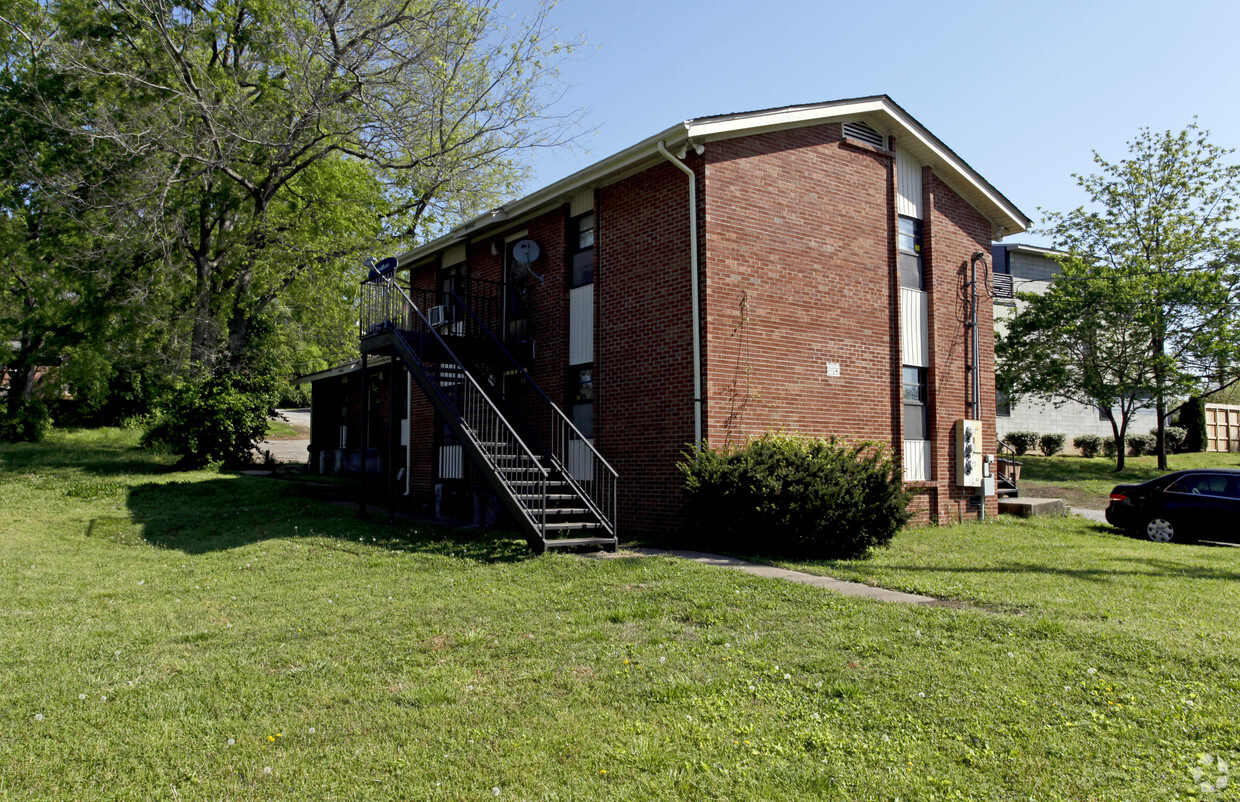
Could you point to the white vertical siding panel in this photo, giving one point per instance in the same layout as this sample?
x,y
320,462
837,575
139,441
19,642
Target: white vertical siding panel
x,y
581,325
914,327
908,184
582,202
454,254
916,460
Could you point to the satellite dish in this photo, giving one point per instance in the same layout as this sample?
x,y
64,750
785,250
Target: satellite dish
x,y
524,253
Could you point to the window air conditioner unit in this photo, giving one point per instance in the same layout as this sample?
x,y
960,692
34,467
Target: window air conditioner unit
x,y
439,315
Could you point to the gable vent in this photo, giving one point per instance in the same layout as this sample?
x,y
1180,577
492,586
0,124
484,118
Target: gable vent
x,y
863,131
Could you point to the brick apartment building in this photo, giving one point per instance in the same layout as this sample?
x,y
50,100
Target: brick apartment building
x,y
827,250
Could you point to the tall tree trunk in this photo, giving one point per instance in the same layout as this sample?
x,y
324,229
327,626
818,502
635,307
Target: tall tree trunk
x,y
1119,431
239,326
202,340
1160,399
22,374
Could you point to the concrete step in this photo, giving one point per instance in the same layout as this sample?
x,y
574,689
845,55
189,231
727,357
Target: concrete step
x,y
1032,507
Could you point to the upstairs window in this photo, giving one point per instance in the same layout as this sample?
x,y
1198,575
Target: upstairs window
x,y
916,416
581,247
908,242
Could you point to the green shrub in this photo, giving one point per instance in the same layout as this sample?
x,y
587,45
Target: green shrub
x,y
220,418
1175,439
1051,444
1089,445
1022,442
794,495
1139,444
30,423
1192,419
1108,446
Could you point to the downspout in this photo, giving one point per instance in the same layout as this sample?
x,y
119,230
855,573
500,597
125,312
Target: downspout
x,y
693,274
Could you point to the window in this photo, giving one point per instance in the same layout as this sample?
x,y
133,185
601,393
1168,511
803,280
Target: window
x,y
916,414
581,398
581,247
909,244
1003,404
1202,484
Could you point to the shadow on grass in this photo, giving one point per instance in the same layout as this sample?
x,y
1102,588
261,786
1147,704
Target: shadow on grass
x,y
200,516
101,460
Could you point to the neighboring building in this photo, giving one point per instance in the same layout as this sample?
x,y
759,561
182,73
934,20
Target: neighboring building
x,y
1028,268
803,269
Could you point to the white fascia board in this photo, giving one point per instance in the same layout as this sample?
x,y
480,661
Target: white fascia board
x,y
599,172
792,117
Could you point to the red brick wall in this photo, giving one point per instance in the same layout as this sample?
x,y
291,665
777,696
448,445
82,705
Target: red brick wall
x,y
798,275
798,271
643,345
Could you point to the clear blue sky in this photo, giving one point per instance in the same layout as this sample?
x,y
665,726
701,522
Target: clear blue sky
x,y
1023,92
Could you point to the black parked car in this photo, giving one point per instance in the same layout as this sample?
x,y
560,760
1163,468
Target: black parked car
x,y
1181,506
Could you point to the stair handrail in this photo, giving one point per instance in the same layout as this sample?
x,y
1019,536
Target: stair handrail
x,y
605,486
463,372
530,379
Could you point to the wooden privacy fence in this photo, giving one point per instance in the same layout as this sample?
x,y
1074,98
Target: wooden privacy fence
x,y
1222,427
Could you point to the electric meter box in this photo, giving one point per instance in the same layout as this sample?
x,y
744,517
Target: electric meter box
x,y
968,453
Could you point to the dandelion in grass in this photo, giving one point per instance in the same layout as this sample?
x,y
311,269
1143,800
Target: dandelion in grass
x,y
787,676
82,696
495,790
232,741
38,716
921,694
1091,671
312,730
266,769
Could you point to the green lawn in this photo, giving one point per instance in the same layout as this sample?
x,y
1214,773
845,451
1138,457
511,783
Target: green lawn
x,y
283,430
1088,482
211,636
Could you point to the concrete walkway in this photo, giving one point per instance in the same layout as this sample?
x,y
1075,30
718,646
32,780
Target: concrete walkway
x,y
855,589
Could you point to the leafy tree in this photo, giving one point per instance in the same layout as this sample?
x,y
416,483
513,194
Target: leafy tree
x,y
71,280
1085,341
228,162
242,113
1160,232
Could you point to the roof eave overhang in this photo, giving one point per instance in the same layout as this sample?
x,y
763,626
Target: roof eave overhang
x,y
884,114
626,162
880,111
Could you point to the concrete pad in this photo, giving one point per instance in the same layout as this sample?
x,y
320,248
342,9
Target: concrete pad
x,y
854,589
1032,507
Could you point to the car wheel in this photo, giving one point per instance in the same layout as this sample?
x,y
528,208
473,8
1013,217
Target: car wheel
x,y
1160,530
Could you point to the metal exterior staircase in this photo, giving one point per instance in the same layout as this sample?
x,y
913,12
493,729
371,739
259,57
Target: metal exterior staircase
x,y
560,495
